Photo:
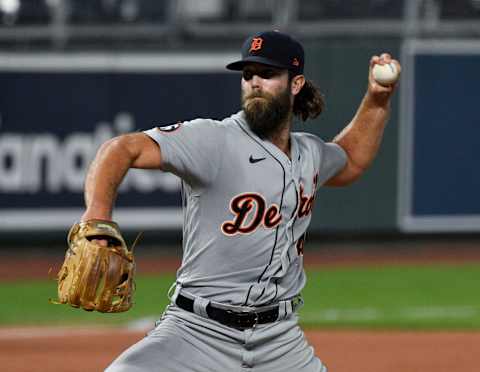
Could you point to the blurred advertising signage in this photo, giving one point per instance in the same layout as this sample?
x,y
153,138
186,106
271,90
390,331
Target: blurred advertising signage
x,y
439,181
56,110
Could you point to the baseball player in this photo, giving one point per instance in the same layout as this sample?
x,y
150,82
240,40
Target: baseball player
x,y
249,186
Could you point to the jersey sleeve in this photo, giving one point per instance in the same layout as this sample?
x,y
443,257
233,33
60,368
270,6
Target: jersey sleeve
x,y
191,150
331,159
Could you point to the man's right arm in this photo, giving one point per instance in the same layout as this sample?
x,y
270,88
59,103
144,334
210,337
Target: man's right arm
x,y
112,162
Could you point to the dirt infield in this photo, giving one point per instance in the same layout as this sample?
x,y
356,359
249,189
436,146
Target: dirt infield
x,y
80,350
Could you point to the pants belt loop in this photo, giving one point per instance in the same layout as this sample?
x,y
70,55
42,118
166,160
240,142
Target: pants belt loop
x,y
176,287
200,306
288,308
285,309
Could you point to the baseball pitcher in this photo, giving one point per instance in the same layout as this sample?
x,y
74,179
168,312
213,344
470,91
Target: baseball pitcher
x,y
249,186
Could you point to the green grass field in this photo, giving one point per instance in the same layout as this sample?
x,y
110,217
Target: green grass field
x,y
407,297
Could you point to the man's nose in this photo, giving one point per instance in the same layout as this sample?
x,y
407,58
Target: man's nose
x,y
256,81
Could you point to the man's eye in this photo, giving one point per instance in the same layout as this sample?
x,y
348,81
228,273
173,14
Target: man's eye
x,y
247,75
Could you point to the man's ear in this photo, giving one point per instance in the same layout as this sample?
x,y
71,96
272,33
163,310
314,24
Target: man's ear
x,y
297,84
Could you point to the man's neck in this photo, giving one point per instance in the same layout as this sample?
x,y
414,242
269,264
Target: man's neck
x,y
281,138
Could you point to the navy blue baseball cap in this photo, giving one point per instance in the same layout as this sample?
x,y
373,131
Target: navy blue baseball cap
x,y
272,48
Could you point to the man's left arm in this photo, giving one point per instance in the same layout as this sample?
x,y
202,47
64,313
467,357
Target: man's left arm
x,y
361,138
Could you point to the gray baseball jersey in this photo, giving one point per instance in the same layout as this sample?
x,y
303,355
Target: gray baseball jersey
x,y
247,206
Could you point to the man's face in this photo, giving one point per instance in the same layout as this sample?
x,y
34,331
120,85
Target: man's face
x,y
266,98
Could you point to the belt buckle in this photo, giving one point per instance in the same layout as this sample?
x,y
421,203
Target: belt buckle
x,y
244,318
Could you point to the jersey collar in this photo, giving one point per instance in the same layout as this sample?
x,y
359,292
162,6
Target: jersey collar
x,y
240,119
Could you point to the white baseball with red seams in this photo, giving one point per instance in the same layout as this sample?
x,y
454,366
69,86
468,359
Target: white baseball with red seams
x,y
386,74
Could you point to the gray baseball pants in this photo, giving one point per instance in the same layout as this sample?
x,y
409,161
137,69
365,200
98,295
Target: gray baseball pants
x,y
184,342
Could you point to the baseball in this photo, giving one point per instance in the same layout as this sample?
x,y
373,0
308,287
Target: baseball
x,y
386,74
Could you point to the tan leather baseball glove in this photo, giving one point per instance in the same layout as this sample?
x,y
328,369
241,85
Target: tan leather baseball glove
x,y
93,276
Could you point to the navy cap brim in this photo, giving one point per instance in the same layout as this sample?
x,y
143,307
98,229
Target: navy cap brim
x,y
239,65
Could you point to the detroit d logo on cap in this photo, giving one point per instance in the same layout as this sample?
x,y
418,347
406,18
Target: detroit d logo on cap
x,y
256,44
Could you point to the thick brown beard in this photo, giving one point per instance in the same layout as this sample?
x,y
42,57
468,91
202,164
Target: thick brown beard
x,y
266,113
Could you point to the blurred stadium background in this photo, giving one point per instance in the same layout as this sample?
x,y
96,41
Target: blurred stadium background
x,y
77,72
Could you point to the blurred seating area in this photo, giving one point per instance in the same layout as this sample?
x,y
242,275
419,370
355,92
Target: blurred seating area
x,y
350,9
24,12
107,12
459,9
116,11
62,23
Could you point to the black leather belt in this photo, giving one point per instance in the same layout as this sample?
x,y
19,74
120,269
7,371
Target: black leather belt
x,y
235,319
